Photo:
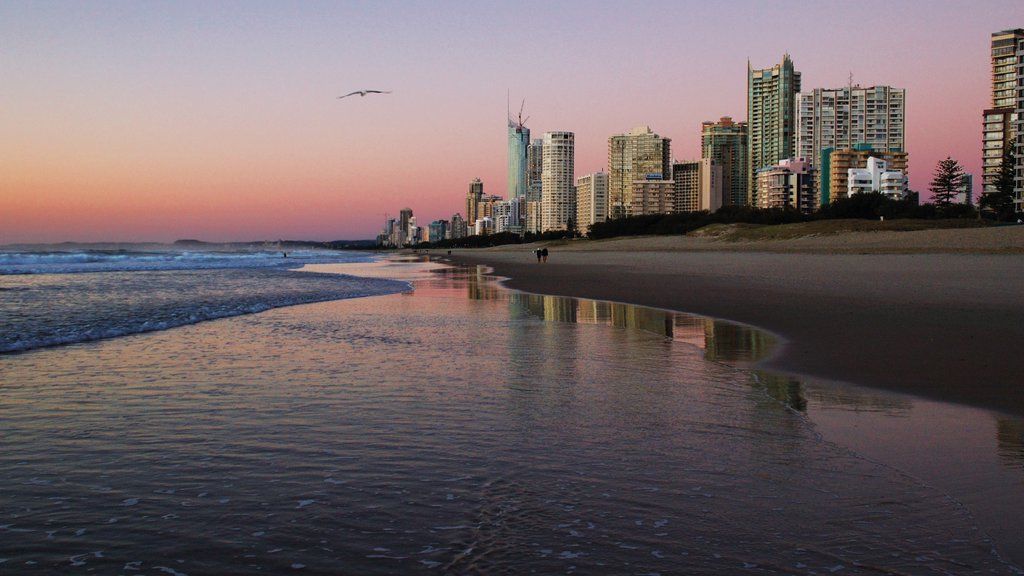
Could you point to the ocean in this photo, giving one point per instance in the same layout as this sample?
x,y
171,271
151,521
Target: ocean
x,y
173,412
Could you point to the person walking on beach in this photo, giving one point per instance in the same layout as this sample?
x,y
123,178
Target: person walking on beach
x,y
544,255
537,252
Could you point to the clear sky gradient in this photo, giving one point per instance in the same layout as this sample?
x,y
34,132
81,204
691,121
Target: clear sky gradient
x,y
154,121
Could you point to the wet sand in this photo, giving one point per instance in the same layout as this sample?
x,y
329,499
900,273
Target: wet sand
x,y
939,314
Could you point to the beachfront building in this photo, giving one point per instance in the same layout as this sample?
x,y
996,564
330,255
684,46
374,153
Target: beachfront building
x,y
840,118
1018,191
518,177
505,215
725,142
652,197
876,177
518,142
458,228
966,194
534,184
771,117
473,198
558,195
789,184
437,230
637,156
698,185
483,226
836,166
1000,122
591,200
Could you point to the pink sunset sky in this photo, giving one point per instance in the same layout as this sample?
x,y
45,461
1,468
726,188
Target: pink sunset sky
x,y
154,121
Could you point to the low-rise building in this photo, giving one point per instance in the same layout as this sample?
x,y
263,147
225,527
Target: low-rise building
x,y
877,177
790,184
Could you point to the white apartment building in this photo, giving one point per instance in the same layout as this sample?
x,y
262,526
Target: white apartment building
x,y
558,193
877,178
591,200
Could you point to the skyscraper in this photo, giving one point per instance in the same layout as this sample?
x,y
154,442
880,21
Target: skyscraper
x,y
725,142
639,155
591,200
473,197
842,118
534,169
558,197
999,126
518,141
1018,190
771,117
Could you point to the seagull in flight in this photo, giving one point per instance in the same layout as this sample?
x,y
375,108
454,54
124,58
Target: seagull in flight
x,y
364,93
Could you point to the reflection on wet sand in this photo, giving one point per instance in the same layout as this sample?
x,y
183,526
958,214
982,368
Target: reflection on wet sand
x,y
721,341
1010,436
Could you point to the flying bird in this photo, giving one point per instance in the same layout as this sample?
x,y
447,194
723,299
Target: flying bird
x,y
365,92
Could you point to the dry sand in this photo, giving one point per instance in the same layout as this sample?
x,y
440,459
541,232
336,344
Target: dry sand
x,y
937,313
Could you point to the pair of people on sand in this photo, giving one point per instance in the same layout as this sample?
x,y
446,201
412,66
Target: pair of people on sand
x,y
542,254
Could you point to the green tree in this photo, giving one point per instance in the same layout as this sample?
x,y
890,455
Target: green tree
x,y
1000,200
947,183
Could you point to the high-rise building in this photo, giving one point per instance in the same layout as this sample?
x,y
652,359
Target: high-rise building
x,y
406,222
842,118
591,200
518,142
458,228
534,170
771,116
639,155
686,183
558,196
789,184
725,142
698,186
999,126
1018,190
473,197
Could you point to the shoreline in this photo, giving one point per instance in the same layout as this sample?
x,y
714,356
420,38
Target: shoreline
x,y
928,314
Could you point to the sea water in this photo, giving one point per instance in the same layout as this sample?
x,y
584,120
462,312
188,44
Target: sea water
x,y
52,295
453,428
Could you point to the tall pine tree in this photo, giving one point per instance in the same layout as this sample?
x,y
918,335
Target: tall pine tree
x,y
947,183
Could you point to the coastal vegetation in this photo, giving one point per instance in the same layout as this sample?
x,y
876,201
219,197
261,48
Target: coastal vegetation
x,y
861,212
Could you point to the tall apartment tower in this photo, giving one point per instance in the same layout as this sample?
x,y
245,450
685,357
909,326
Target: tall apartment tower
x,y
771,117
558,195
1002,122
725,143
473,198
518,142
1018,190
639,155
534,169
841,118
591,200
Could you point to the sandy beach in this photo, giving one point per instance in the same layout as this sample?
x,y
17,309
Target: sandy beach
x,y
935,313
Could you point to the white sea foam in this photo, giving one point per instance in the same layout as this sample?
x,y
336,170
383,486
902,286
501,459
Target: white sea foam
x,y
140,292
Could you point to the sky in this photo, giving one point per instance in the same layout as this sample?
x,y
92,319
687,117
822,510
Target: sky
x,y
156,121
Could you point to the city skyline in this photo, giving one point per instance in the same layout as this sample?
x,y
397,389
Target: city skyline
x,y
154,122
